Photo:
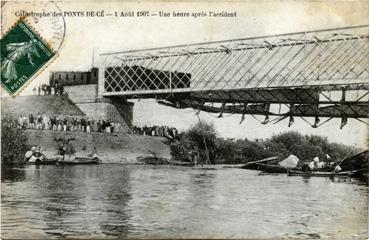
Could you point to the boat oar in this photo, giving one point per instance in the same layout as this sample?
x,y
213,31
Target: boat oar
x,y
344,158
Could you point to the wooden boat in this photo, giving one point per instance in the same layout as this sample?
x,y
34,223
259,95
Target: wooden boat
x,y
318,174
41,162
359,173
198,167
271,168
73,160
268,165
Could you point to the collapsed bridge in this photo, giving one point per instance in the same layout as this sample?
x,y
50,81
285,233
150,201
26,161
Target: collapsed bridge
x,y
317,74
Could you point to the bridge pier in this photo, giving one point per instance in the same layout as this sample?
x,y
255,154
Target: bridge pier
x,y
87,99
100,82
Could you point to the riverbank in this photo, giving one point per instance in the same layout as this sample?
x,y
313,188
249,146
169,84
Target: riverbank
x,y
111,148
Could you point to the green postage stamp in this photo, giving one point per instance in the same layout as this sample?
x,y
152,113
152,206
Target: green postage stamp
x,y
23,53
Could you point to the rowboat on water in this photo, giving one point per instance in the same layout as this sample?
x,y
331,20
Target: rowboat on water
x,y
66,156
40,161
38,158
80,161
76,160
319,174
274,165
61,161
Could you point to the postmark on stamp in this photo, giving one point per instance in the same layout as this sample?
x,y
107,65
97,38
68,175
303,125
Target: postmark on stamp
x,y
23,54
32,37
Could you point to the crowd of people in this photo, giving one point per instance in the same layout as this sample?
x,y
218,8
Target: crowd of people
x,y
159,131
45,89
70,124
41,121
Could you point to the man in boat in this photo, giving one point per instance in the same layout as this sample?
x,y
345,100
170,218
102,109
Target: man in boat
x,y
313,165
69,149
306,168
37,155
66,149
30,153
337,169
38,152
94,153
61,150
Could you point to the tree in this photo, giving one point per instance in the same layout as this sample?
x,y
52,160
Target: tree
x,y
200,140
13,142
183,149
227,151
305,147
252,151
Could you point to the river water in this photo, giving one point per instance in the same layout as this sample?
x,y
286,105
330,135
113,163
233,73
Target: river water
x,y
145,201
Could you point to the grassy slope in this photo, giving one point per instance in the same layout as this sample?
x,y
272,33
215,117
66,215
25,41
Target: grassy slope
x,y
111,148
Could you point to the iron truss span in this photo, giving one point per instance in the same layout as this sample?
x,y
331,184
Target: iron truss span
x,y
248,76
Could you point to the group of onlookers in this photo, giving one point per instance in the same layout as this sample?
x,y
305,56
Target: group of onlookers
x,y
45,89
64,123
159,131
41,121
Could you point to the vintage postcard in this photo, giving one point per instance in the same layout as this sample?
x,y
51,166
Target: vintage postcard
x,y
184,119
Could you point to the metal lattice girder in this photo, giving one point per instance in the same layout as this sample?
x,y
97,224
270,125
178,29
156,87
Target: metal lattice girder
x,y
337,110
140,78
317,58
257,109
260,96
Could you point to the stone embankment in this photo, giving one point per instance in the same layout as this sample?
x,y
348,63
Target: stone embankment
x,y
111,148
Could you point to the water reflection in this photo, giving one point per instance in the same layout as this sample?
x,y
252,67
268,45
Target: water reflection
x,y
12,174
166,201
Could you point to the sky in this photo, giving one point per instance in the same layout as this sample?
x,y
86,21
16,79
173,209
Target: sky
x,y
99,35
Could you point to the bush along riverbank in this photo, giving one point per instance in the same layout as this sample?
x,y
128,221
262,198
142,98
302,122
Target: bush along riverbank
x,y
201,144
13,142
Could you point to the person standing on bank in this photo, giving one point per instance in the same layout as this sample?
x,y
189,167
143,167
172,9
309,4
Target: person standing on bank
x,y
45,122
88,125
65,122
39,122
